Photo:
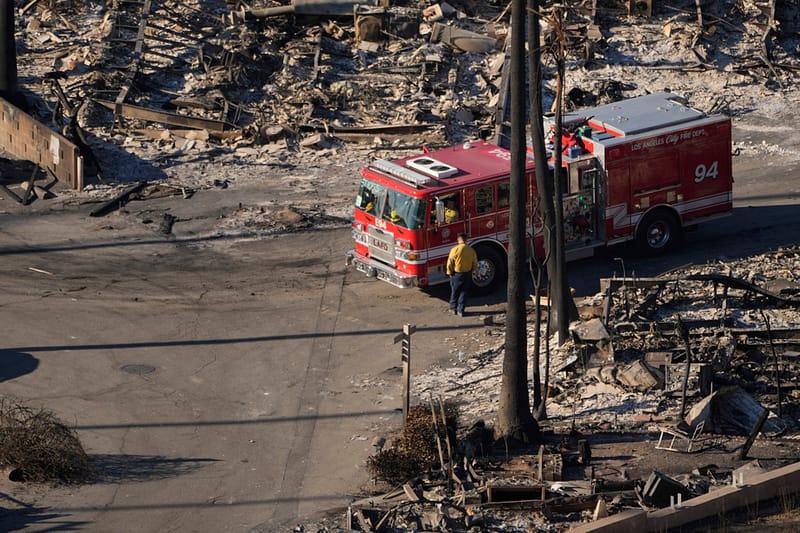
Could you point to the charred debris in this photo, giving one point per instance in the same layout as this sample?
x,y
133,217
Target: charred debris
x,y
694,374
270,80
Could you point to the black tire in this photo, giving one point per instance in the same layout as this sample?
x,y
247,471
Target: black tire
x,y
491,270
657,232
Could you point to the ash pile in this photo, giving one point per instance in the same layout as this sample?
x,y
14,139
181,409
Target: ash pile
x,y
693,373
195,92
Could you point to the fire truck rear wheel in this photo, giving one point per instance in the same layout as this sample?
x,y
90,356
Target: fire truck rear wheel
x,y
657,232
491,270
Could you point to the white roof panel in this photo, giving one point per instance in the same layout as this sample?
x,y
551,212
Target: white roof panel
x,y
640,114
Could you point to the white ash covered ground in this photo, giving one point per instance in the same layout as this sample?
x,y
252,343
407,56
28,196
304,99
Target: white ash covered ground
x,y
578,392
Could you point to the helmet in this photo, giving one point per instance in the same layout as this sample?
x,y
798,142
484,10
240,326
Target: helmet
x,y
394,216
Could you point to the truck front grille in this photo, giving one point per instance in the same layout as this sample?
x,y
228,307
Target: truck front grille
x,y
381,245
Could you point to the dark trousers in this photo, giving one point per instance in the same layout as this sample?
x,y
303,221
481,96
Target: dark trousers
x,y
459,286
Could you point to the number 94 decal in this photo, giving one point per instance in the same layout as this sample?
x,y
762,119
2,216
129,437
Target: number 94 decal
x,y
702,172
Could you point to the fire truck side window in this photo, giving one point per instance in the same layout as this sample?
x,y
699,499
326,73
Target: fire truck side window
x,y
503,195
451,209
484,200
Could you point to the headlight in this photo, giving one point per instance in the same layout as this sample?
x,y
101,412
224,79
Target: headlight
x,y
406,255
358,232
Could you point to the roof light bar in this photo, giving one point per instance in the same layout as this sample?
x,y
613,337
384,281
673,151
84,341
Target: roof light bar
x,y
403,173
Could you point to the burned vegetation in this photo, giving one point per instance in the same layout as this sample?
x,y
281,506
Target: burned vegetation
x,y
35,446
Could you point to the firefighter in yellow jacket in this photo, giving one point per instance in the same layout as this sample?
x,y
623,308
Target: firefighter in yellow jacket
x,y
461,263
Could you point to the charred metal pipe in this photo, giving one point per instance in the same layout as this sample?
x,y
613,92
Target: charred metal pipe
x,y
684,334
312,7
777,362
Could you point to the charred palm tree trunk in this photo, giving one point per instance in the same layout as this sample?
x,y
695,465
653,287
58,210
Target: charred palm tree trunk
x,y
514,419
8,52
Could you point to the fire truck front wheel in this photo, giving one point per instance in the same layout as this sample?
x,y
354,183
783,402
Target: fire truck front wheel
x,y
491,270
657,232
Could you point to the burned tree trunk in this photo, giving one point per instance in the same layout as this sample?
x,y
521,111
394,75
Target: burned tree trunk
x,y
543,185
563,309
514,418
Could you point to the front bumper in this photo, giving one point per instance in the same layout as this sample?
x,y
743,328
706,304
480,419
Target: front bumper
x,y
375,269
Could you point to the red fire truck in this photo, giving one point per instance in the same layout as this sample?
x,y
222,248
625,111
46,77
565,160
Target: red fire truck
x,y
641,169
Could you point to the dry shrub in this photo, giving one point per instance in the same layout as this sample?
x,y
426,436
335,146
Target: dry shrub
x,y
417,450
39,447
393,466
419,437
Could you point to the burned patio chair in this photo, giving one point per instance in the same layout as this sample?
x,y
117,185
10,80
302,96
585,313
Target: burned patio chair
x,y
680,433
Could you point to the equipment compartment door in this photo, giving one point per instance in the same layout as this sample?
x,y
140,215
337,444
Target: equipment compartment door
x,y
618,199
481,207
580,210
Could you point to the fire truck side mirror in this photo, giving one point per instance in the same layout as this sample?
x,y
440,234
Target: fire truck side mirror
x,y
439,211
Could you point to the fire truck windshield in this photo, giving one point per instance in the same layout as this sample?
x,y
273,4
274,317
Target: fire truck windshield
x,y
391,205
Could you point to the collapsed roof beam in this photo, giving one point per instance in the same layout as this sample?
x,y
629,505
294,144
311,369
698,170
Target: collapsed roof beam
x,y
174,119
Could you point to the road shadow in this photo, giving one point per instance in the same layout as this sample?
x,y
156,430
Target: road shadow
x,y
123,468
14,364
28,518
241,340
136,242
23,517
232,423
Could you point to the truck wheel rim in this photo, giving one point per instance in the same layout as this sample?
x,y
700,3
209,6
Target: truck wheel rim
x,y
484,274
658,234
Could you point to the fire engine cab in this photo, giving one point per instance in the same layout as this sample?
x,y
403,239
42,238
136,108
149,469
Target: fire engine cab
x,y
640,169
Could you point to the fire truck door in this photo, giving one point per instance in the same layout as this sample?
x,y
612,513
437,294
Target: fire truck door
x,y
442,233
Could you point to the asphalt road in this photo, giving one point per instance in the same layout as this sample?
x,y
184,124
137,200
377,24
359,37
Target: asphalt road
x,y
219,384
226,384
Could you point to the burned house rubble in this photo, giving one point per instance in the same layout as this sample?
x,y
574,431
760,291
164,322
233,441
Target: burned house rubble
x,y
189,92
695,369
